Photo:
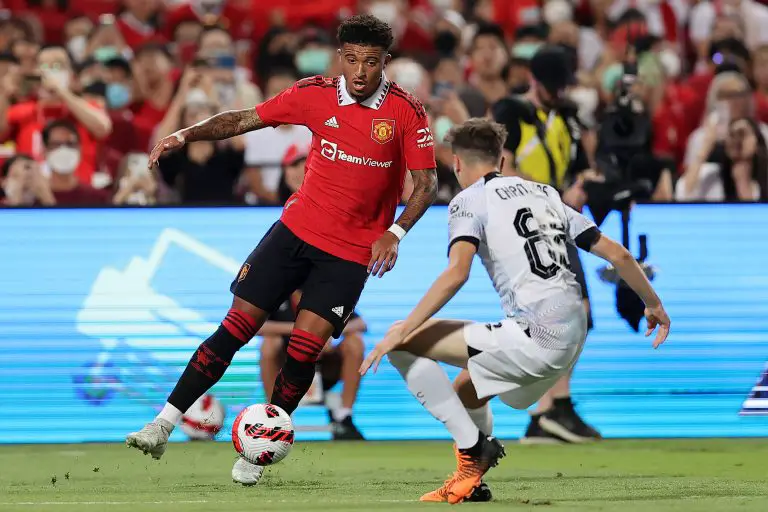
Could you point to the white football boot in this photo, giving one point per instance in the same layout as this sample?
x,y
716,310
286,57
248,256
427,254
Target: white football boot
x,y
152,439
243,472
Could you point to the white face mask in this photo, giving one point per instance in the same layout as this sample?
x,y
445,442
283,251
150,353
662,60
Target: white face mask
x,y
408,76
63,160
670,61
442,5
77,46
385,11
556,11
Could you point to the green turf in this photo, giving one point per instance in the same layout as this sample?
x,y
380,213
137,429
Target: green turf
x,y
627,476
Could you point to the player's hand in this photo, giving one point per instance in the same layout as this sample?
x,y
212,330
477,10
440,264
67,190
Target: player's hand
x,y
383,254
657,317
169,143
393,339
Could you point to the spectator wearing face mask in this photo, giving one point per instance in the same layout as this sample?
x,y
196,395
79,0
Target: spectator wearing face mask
x,y
203,172
139,21
62,156
23,183
315,53
136,184
76,32
264,149
489,57
24,121
120,92
232,86
106,41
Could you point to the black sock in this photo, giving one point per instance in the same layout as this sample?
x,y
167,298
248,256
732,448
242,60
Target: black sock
x,y
206,367
292,383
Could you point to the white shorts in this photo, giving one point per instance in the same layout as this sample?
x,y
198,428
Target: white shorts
x,y
513,366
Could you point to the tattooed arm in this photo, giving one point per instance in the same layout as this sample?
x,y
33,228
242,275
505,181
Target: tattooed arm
x,y
424,194
221,126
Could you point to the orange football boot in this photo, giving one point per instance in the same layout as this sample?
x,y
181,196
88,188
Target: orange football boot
x,y
469,472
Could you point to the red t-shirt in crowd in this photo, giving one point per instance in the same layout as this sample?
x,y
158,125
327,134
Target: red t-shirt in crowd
x,y
137,33
82,195
357,161
26,122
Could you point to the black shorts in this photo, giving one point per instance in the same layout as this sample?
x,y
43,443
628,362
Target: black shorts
x,y
283,263
578,270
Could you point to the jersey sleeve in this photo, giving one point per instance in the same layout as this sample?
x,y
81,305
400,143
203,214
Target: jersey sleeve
x,y
288,107
465,217
582,232
418,143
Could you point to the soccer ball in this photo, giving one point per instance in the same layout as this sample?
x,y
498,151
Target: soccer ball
x,y
263,434
204,419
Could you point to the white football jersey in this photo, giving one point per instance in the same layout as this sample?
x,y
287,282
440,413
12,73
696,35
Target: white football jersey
x,y
520,229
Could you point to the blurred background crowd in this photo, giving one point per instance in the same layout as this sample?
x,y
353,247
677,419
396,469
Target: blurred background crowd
x,y
88,86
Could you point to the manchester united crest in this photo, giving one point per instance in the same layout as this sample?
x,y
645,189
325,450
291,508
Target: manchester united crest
x,y
383,130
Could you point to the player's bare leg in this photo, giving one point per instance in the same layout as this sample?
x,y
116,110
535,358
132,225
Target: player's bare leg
x,y
271,359
476,453
204,369
352,350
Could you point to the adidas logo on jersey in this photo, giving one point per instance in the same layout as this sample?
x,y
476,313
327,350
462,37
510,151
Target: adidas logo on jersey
x,y
332,122
339,310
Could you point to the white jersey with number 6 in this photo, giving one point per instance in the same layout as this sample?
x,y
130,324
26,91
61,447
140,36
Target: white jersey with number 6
x,y
520,229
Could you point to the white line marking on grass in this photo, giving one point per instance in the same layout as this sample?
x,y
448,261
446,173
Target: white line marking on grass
x,y
175,502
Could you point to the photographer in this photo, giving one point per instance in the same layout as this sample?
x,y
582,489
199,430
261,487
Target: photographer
x,y
544,145
23,183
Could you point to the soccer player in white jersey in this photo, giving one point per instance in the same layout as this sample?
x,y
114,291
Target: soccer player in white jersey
x,y
519,228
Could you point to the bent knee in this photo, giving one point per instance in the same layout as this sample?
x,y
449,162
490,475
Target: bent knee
x,y
352,346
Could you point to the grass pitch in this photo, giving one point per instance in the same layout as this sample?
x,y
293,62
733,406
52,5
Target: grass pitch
x,y
627,476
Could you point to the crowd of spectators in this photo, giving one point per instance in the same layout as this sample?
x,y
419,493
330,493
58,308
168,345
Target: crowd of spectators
x,y
88,86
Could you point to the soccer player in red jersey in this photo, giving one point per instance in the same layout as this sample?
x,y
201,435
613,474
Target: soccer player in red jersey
x,y
334,232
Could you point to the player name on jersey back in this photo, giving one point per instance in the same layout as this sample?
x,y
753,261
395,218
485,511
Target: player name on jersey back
x,y
520,229
357,163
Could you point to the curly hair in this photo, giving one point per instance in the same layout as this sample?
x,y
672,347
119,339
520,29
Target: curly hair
x,y
365,30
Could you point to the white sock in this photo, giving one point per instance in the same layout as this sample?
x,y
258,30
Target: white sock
x,y
483,418
170,414
430,385
340,413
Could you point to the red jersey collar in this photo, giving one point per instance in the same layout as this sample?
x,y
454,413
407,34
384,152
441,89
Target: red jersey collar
x,y
374,101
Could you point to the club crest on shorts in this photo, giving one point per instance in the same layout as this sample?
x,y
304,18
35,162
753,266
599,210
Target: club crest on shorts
x,y
243,272
383,130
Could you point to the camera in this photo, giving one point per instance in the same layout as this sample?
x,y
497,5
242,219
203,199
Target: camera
x,y
624,157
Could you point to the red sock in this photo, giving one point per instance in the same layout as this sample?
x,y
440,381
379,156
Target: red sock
x,y
305,347
240,325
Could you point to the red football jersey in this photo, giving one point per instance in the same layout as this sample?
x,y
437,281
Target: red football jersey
x,y
357,162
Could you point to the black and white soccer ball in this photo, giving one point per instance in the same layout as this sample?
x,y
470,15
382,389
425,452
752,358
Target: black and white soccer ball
x,y
263,434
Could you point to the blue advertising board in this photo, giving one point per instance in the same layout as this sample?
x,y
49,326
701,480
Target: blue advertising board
x,y
100,309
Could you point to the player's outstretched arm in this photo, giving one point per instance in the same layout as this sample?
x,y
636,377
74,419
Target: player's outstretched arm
x,y
631,272
221,126
442,290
